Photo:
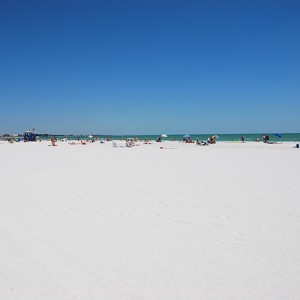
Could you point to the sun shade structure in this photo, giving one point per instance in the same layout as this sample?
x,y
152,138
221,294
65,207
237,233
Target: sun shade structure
x,y
164,136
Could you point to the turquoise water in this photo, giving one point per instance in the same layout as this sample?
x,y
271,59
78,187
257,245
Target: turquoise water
x,y
285,137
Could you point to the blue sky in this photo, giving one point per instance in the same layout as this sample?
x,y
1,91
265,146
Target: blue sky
x,y
147,67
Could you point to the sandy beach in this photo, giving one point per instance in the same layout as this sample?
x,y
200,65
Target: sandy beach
x,y
180,223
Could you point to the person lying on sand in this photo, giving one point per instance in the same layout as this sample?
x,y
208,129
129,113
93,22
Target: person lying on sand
x,y
167,147
201,143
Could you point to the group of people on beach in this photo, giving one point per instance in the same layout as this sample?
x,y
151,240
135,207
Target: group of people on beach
x,y
133,141
130,142
266,138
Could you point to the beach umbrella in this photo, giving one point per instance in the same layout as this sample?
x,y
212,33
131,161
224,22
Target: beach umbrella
x,y
278,135
186,136
91,136
215,137
164,136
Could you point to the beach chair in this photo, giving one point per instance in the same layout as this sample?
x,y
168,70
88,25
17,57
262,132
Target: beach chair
x,y
115,145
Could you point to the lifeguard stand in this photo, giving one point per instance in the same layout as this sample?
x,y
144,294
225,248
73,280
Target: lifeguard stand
x,y
29,136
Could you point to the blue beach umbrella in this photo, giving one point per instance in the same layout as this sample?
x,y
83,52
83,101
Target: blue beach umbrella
x,y
186,136
278,135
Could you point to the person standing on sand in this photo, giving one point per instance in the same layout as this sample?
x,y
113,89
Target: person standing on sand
x,y
266,138
243,138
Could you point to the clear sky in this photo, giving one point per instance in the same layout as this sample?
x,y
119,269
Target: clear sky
x,y
147,66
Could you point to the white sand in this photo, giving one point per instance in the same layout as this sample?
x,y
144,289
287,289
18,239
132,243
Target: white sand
x,y
96,222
